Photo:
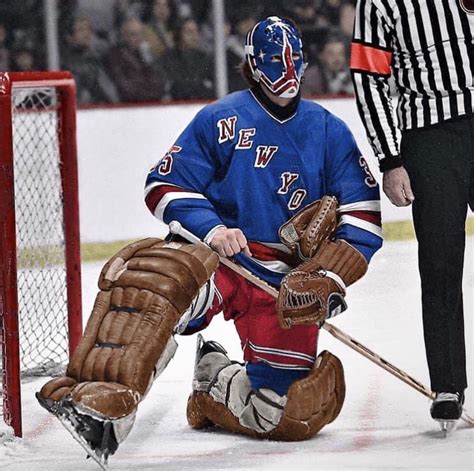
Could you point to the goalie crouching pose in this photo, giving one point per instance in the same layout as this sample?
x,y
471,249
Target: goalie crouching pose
x,y
277,183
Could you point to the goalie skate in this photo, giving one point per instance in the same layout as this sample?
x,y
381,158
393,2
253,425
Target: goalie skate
x,y
96,437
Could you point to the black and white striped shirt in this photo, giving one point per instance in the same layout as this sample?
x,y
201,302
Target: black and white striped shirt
x,y
427,46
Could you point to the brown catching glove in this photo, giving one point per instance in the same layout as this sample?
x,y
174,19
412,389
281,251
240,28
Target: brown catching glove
x,y
315,290
307,229
309,297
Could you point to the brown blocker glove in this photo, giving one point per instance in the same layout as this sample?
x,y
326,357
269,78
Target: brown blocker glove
x,y
315,290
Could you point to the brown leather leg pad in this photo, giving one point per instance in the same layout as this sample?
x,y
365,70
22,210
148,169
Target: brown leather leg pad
x,y
144,290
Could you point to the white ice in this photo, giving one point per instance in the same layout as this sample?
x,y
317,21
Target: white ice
x,y
384,424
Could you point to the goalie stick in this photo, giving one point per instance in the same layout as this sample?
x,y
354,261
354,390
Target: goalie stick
x,y
175,227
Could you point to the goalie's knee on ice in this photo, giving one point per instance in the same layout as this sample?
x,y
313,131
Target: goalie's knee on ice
x,y
228,400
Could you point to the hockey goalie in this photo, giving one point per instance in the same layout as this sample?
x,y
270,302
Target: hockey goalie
x,y
278,184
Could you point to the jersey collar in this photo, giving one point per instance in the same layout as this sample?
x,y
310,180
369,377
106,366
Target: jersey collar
x,y
282,114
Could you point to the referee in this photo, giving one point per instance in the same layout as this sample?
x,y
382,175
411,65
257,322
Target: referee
x,y
426,154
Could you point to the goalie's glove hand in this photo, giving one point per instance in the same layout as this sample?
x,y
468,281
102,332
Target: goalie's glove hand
x,y
228,242
309,298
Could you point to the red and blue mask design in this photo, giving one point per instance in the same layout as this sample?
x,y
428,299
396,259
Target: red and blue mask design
x,y
274,53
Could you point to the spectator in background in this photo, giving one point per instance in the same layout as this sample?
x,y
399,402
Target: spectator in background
x,y
132,66
22,58
85,62
234,10
346,22
311,23
241,25
107,16
306,15
330,74
22,53
24,21
189,70
197,9
126,9
159,29
330,10
104,15
4,52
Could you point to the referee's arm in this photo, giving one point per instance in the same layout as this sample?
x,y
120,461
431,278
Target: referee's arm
x,y
371,58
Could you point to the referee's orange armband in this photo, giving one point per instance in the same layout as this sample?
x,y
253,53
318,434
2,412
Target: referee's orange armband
x,y
370,59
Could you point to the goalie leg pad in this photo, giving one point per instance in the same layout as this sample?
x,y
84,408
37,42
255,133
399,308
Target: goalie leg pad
x,y
131,325
311,403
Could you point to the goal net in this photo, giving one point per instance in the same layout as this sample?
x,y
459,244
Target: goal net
x,y
40,305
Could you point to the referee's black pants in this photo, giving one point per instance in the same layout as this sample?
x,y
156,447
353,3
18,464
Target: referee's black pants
x,y
440,163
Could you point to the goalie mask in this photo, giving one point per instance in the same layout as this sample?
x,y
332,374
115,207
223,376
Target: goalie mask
x,y
274,53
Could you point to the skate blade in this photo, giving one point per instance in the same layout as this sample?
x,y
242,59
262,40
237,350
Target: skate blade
x,y
63,414
447,426
98,457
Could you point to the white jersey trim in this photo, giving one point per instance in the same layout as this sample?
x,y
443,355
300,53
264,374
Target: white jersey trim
x,y
361,224
277,246
154,185
277,351
209,236
172,196
273,265
370,205
282,366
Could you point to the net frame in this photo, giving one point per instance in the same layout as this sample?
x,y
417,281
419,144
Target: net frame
x,y
64,85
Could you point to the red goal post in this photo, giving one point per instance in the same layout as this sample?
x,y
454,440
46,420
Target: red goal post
x,y
40,265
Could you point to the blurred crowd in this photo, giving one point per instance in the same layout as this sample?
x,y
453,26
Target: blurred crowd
x,y
162,50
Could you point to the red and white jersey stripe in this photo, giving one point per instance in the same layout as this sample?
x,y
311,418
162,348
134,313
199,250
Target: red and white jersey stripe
x,y
362,214
159,195
282,359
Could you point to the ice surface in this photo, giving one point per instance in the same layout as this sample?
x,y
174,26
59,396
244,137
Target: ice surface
x,y
384,424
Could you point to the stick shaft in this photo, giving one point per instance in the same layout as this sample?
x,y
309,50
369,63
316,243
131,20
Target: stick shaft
x,y
178,229
332,329
386,365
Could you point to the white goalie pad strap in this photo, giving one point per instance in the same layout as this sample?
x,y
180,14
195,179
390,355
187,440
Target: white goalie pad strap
x,y
336,278
231,388
257,410
123,426
264,410
207,370
199,306
162,363
166,356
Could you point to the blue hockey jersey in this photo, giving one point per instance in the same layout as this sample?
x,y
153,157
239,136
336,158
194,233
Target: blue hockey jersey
x,y
238,165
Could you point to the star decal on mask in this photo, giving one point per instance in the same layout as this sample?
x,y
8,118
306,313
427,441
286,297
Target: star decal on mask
x,y
261,55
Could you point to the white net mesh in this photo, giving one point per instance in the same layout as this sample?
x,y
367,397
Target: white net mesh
x,y
41,275
40,234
